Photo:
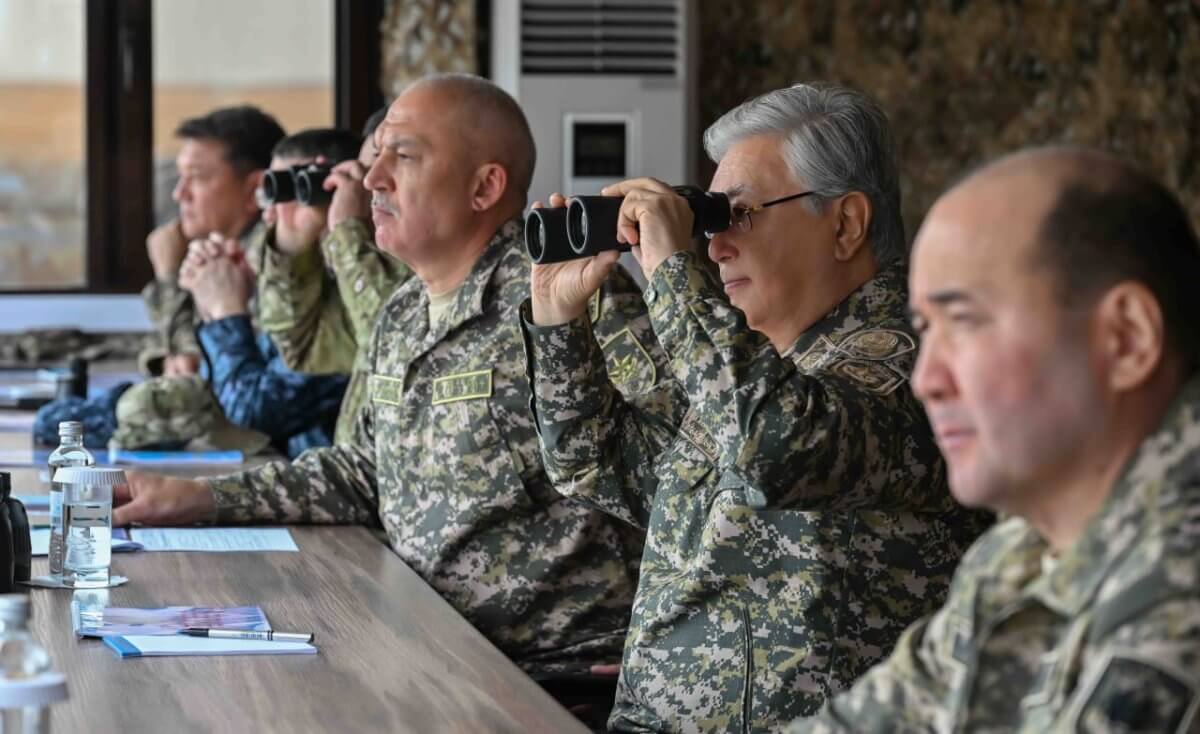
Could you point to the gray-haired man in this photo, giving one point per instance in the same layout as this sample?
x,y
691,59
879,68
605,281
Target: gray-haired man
x,y
797,509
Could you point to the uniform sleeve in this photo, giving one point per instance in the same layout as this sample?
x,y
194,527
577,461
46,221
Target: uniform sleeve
x,y
365,276
1144,675
254,391
299,308
794,440
598,443
173,314
907,692
334,485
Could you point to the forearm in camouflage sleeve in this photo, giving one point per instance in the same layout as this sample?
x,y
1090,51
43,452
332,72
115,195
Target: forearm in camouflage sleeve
x,y
327,485
794,439
299,308
365,275
596,445
174,315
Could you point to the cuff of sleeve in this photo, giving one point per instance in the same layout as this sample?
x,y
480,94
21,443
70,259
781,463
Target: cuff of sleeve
x,y
292,267
216,336
232,499
345,240
563,362
667,296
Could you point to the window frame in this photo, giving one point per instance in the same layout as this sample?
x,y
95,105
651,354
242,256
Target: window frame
x,y
118,94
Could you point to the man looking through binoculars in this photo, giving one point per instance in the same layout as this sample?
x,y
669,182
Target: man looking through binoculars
x,y
796,506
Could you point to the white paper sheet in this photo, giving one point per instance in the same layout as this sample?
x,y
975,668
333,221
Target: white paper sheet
x,y
214,539
159,645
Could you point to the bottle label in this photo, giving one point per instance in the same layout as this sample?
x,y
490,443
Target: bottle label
x,y
88,515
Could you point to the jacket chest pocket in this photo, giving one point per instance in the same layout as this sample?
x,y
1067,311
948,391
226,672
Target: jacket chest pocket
x,y
442,444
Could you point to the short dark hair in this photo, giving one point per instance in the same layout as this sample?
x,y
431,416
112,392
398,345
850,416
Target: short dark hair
x,y
336,145
374,121
1129,227
247,133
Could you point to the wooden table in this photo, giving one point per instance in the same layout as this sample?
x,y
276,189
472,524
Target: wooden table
x,y
393,655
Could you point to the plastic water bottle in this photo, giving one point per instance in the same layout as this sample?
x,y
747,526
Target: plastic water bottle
x,y
87,516
70,452
27,685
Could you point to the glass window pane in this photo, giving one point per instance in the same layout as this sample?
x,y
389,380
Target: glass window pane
x,y
274,54
42,173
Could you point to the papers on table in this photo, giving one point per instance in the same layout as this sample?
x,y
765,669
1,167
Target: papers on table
x,y
136,646
104,621
186,539
166,458
214,539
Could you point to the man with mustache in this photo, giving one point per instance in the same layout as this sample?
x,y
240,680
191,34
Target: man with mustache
x,y
1055,294
796,509
444,455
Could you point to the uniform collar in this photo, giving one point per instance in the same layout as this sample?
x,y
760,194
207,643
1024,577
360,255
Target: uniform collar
x,y
1154,483
881,301
472,297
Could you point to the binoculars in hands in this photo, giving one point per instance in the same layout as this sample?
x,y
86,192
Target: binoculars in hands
x,y
588,224
298,183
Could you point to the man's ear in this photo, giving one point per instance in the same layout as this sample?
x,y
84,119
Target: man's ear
x,y
489,186
853,211
1131,334
250,184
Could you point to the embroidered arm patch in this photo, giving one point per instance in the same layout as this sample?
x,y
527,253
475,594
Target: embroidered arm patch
x,y
1138,696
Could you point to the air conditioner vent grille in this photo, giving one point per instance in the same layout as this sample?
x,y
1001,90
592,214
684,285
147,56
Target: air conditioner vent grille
x,y
601,37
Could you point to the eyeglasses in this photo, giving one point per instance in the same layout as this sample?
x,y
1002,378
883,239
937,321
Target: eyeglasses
x,y
740,220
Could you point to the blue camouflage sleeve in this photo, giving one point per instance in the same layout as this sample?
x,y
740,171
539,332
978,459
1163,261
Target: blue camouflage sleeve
x,y
256,390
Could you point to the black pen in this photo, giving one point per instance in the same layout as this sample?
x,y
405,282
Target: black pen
x,y
269,635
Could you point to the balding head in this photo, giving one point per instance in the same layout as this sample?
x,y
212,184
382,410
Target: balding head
x,y
1053,291
490,120
1093,220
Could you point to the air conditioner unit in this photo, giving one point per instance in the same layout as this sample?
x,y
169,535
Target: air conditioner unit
x,y
607,86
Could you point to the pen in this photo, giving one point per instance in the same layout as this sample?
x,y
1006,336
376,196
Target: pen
x,y
269,635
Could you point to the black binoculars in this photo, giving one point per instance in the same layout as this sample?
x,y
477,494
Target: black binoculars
x,y
298,183
16,549
588,225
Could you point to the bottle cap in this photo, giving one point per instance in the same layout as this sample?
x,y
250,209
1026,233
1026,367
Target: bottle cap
x,y
5,484
70,428
96,476
39,690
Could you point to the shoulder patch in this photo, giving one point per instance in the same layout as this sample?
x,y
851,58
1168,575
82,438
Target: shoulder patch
x,y
1136,694
877,344
384,389
629,364
817,356
462,386
876,377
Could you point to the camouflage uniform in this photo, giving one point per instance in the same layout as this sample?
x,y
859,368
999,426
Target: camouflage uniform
x,y
173,313
445,456
322,322
182,412
1105,638
797,510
